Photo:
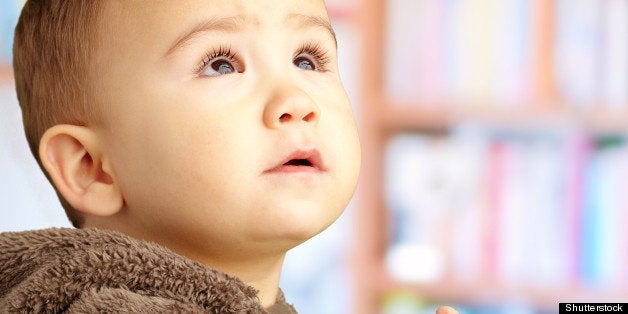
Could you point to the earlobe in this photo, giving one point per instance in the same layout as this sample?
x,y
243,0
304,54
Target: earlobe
x,y
74,160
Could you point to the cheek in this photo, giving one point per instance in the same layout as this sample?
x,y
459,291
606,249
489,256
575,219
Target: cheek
x,y
159,156
341,129
212,159
350,150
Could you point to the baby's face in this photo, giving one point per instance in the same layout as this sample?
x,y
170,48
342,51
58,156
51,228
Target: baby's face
x,y
225,121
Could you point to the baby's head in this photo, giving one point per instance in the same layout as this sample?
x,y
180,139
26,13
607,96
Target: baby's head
x,y
201,125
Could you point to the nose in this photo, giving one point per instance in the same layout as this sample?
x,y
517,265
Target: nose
x,y
289,105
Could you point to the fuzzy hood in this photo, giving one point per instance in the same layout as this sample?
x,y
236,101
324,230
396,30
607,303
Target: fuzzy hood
x,y
95,271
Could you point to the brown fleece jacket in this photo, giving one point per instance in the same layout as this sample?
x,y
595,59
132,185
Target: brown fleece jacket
x,y
95,271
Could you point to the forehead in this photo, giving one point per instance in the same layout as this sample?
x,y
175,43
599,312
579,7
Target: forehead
x,y
151,27
171,16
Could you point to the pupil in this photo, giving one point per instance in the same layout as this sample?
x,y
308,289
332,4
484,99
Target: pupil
x,y
304,64
222,67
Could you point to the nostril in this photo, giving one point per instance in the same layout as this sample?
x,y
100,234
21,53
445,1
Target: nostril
x,y
285,117
310,117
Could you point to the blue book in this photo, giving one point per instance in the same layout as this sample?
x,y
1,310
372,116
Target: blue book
x,y
602,223
9,12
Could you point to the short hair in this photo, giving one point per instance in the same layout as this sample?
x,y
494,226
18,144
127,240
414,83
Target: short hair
x,y
54,40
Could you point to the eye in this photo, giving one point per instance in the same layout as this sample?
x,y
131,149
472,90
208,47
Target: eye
x,y
304,63
311,57
219,67
220,62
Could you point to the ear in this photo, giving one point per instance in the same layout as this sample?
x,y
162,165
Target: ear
x,y
73,158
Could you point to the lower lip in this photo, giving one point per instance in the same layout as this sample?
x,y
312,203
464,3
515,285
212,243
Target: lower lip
x,y
293,169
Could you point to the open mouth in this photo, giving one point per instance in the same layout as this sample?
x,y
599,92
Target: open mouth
x,y
299,163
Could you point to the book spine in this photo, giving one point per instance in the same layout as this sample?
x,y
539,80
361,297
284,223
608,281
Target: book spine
x,y
614,54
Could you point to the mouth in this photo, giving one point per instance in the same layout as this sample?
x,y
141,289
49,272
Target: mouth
x,y
300,161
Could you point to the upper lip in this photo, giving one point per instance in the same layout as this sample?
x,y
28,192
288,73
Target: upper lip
x,y
311,156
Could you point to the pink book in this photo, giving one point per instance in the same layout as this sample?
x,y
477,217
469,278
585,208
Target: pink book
x,y
577,154
496,177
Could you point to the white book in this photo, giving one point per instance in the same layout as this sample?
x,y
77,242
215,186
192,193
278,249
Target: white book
x,y
512,82
614,84
402,52
511,215
476,37
547,235
415,254
469,214
576,53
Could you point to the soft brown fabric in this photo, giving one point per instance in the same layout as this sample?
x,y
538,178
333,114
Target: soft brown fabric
x,y
95,271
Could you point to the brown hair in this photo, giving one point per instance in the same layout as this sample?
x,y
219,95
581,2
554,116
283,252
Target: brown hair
x,y
51,51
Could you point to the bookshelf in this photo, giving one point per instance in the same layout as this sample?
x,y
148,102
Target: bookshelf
x,y
558,104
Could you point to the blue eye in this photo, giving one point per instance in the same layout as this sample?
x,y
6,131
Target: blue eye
x,y
304,64
220,62
312,57
219,67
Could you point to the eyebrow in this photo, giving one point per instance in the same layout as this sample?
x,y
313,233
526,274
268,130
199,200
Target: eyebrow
x,y
237,23
229,24
312,21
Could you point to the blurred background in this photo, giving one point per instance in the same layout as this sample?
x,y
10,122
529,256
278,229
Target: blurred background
x,y
495,161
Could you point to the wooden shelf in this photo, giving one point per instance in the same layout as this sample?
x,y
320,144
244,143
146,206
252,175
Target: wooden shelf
x,y
444,117
483,293
486,292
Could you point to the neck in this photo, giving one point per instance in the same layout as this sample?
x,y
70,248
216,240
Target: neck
x,y
260,273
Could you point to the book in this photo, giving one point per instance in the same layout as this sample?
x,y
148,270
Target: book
x,y
614,54
576,52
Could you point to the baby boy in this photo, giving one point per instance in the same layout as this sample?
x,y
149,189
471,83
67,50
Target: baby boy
x,y
192,143
218,129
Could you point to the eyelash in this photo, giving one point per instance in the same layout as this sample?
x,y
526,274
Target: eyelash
x,y
224,52
320,56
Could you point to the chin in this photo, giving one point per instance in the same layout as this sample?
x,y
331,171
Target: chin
x,y
297,224
304,232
